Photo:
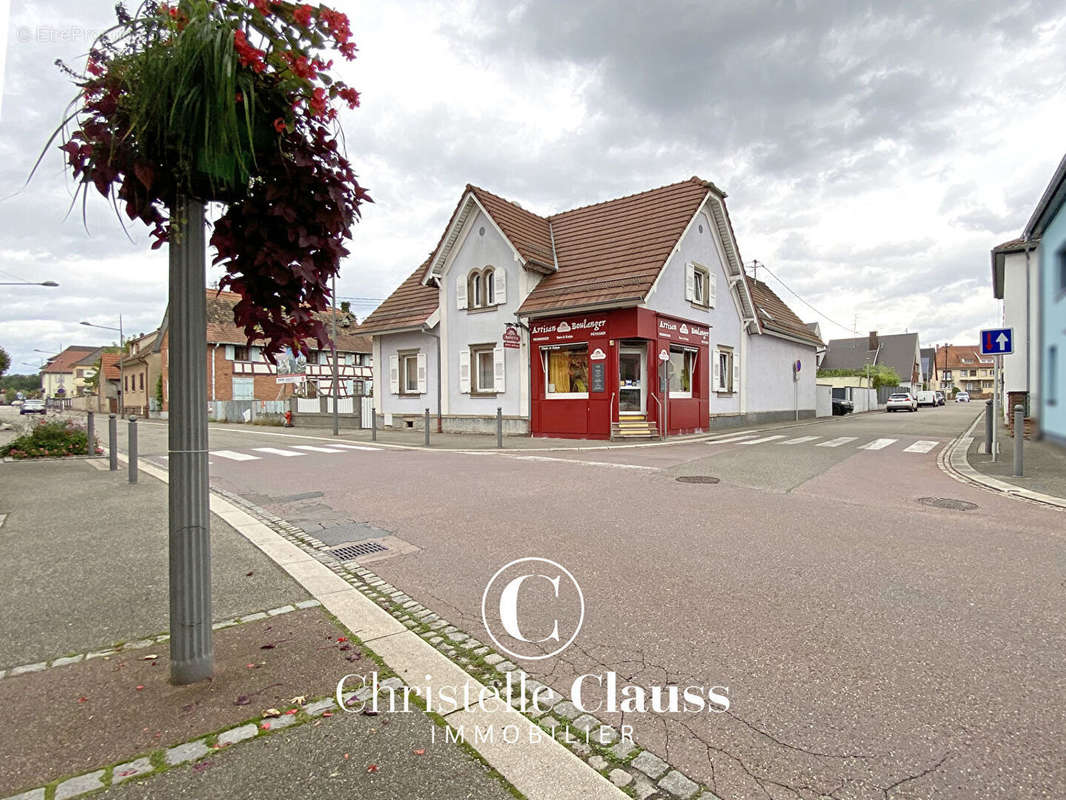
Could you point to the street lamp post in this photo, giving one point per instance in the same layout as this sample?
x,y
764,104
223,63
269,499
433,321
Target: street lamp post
x,y
29,283
121,358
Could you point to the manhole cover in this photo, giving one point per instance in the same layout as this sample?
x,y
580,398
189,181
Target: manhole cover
x,y
948,503
696,479
350,552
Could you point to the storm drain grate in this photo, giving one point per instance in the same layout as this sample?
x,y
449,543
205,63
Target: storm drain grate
x,y
350,552
696,479
948,503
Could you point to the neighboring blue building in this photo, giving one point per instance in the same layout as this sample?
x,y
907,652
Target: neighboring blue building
x,y
1048,225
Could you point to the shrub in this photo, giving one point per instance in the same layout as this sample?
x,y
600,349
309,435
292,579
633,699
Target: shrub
x,y
49,439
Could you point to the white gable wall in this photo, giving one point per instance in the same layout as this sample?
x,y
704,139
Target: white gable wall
x,y
392,345
668,297
769,386
480,245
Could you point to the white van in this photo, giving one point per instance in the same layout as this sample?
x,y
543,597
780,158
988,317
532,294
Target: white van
x,y
927,398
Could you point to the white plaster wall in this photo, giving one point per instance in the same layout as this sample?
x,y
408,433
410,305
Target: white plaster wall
x,y
463,327
770,386
724,320
391,344
1015,316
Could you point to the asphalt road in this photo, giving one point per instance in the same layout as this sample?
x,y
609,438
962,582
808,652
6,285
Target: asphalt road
x,y
873,646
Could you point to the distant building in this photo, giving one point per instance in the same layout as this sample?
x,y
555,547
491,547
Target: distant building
x,y
962,368
929,371
64,375
899,351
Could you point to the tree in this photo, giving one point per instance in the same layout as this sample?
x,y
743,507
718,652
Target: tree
x,y
5,361
248,83
879,374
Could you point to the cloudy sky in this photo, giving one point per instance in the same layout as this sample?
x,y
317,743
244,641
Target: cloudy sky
x,y
873,153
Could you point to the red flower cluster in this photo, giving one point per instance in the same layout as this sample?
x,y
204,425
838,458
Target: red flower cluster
x,y
264,7
249,55
337,25
302,15
300,66
349,96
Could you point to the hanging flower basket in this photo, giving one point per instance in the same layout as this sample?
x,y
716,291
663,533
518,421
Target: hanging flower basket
x,y
231,102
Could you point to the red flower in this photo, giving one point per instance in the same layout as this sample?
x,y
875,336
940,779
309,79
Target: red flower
x,y
248,55
302,15
279,125
240,97
318,102
263,6
350,96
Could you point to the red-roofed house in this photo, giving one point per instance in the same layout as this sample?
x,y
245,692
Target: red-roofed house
x,y
608,320
64,375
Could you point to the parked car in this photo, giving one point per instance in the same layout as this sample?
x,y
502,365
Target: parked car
x,y
32,406
902,400
842,407
940,398
927,399
962,397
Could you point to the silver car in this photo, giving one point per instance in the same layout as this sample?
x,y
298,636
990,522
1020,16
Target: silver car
x,y
902,401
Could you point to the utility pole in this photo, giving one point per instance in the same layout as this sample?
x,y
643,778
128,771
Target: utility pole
x,y
336,369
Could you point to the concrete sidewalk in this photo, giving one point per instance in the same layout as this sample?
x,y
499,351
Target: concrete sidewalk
x,y
84,654
1044,464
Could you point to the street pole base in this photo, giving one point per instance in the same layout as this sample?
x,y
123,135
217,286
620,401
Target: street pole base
x,y
192,670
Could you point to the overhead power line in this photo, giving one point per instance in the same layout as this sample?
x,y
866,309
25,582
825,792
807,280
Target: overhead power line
x,y
812,308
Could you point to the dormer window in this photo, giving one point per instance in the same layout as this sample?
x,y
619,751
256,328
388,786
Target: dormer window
x,y
479,289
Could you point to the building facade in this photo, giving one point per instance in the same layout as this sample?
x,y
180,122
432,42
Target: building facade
x,y
962,368
1016,281
615,319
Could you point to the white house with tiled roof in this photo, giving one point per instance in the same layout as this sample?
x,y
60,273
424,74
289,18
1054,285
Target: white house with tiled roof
x,y
609,320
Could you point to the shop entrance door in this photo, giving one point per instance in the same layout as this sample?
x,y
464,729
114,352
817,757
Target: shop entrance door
x,y
632,381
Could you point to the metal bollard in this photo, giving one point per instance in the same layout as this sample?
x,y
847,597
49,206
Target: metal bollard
x,y
90,433
373,424
131,448
989,422
112,441
1019,439
499,426
427,427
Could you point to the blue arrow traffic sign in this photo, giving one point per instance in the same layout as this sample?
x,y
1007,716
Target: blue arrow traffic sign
x,y
997,341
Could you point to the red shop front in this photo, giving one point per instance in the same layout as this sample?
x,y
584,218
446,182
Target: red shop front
x,y
592,370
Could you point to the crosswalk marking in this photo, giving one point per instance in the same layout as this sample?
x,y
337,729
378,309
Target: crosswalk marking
x,y
732,439
878,444
356,447
837,441
312,448
802,439
764,439
921,446
232,455
277,451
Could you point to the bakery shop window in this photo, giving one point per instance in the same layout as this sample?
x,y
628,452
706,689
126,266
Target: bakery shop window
x,y
682,369
566,371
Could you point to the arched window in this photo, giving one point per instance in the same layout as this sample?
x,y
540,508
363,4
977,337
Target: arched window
x,y
490,286
475,290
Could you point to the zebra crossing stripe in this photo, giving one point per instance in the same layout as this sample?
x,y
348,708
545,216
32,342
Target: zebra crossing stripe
x,y
878,444
837,441
732,439
277,451
233,455
802,439
313,449
356,447
764,439
921,446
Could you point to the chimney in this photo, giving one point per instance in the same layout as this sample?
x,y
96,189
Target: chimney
x,y
872,343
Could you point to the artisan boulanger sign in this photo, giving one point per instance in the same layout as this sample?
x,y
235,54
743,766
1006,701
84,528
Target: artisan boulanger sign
x,y
684,332
574,328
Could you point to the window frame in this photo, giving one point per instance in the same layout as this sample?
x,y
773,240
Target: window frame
x,y
476,351
725,372
402,357
545,358
701,280
481,289
691,357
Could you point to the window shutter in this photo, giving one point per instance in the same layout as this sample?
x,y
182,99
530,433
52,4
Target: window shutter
x,y
736,373
394,374
712,289
499,294
716,384
690,282
499,369
464,371
460,291
229,352
421,373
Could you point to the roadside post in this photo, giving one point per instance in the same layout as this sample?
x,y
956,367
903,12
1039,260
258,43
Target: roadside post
x,y
112,441
1019,439
997,342
373,423
426,426
796,367
499,427
664,390
90,432
989,422
131,447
